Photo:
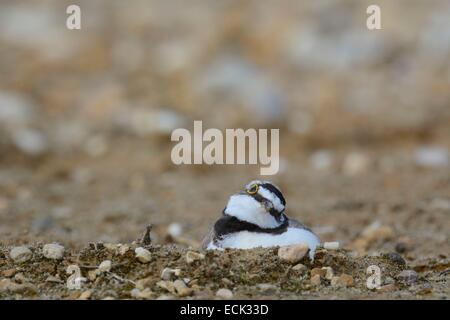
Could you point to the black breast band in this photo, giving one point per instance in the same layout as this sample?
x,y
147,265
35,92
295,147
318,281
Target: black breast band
x,y
229,224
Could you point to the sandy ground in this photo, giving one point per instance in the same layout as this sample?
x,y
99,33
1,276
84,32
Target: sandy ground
x,y
380,210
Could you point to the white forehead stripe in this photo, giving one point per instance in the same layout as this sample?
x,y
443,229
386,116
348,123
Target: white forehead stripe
x,y
272,197
246,208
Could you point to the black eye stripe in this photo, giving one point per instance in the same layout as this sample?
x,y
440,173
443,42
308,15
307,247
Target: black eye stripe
x,y
275,190
258,197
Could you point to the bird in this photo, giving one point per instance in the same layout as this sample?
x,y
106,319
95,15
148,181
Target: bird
x,y
255,217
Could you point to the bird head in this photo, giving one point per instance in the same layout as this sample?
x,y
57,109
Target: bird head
x,y
260,203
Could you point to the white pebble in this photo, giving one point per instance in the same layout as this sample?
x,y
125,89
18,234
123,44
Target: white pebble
x,y
331,245
175,230
430,156
30,141
20,254
224,293
105,266
143,255
123,248
293,253
167,273
53,251
192,256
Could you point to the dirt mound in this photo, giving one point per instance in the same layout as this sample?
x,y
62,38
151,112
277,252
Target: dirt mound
x,y
175,272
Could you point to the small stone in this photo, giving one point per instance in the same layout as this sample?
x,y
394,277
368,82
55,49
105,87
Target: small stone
x,y
144,294
192,256
315,280
105,266
92,274
328,273
321,160
299,267
20,254
408,276
168,273
181,289
334,281
267,288
85,295
395,258
141,284
175,230
53,279
432,156
143,255
6,285
318,271
224,293
331,245
292,254
387,288
165,297
123,248
9,272
167,285
31,142
111,247
344,280
20,278
53,251
135,293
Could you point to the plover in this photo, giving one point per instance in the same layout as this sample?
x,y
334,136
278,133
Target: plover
x,y
255,217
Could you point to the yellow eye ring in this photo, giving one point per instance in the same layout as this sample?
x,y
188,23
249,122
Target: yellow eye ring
x,y
253,189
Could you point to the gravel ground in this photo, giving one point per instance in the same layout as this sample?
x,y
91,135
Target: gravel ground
x,y
85,123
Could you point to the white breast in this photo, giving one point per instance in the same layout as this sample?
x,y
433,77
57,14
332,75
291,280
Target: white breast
x,y
248,240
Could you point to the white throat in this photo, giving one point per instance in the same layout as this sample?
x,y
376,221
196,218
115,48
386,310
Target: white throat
x,y
247,209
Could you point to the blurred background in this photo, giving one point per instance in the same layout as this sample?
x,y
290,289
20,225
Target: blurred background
x,y
86,117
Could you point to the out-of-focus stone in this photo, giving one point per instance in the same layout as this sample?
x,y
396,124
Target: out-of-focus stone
x,y
387,288
85,295
328,273
9,272
318,271
175,230
224,293
20,254
344,280
192,256
408,276
315,280
168,273
167,285
432,157
181,289
30,142
105,266
321,160
53,251
355,163
331,245
299,267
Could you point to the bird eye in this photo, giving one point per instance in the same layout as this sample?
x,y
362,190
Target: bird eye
x,y
253,189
